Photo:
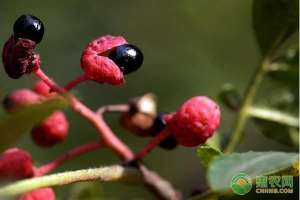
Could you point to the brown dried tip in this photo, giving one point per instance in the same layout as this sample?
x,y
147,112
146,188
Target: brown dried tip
x,y
141,115
18,57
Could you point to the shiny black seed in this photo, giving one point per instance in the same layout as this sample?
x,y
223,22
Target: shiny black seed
x,y
127,57
158,125
29,27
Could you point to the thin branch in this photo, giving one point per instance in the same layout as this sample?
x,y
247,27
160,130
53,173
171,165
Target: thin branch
x,y
246,103
110,139
76,81
107,173
111,173
113,108
73,153
274,116
159,186
152,144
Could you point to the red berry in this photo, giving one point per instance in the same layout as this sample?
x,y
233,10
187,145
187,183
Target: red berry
x,y
16,164
195,121
41,88
39,194
51,131
96,63
20,98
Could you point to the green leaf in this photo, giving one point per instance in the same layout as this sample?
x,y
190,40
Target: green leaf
x,y
13,125
207,154
274,21
230,97
223,168
285,66
279,132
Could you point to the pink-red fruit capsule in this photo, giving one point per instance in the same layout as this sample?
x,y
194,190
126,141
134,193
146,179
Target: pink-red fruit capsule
x,y
39,194
20,98
16,163
51,131
96,63
195,121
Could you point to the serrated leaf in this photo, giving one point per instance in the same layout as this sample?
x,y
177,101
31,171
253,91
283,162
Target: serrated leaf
x,y
274,21
13,125
223,168
207,153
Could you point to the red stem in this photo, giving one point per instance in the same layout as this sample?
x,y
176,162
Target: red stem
x,y
76,81
152,144
73,153
109,138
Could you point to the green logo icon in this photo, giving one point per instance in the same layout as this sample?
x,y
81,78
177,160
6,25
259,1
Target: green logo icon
x,y
241,184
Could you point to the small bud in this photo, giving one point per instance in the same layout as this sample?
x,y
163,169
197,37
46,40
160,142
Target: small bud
x,y
51,131
141,115
16,164
39,194
20,98
195,121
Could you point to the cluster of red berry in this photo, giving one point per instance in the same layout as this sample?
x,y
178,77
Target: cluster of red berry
x,y
50,131
105,60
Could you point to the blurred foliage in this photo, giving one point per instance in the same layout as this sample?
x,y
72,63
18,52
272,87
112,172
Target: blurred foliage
x,y
190,47
274,21
14,124
251,163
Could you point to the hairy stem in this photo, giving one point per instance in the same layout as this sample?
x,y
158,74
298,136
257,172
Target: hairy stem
x,y
111,173
109,138
246,103
73,153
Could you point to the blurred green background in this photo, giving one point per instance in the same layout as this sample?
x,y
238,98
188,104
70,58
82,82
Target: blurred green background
x,y
190,47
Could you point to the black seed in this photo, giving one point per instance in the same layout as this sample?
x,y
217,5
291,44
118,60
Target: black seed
x,y
169,143
29,27
128,57
158,125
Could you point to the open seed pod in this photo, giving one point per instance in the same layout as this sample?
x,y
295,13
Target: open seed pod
x,y
141,115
